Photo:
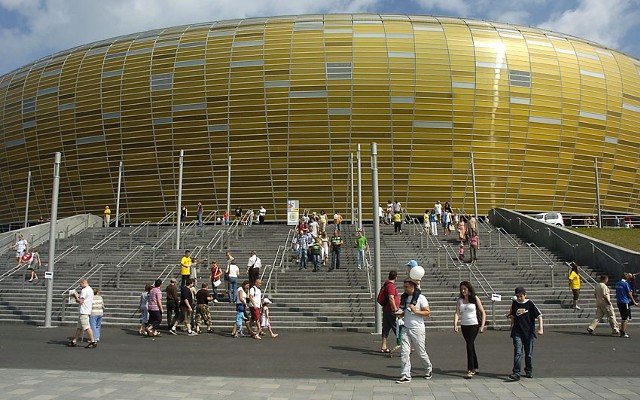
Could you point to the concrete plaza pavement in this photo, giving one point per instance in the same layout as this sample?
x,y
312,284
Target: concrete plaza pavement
x,y
568,363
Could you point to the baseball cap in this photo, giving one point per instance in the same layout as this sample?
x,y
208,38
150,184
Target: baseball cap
x,y
266,300
520,290
174,280
412,263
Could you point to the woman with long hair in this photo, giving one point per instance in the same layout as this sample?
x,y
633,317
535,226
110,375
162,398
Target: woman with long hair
x,y
472,318
574,285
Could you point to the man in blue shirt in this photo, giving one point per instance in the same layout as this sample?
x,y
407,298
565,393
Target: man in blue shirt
x,y
624,296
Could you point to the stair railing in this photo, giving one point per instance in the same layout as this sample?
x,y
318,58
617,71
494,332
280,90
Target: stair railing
x,y
98,246
65,295
137,229
164,220
217,239
278,265
126,260
167,271
164,239
534,249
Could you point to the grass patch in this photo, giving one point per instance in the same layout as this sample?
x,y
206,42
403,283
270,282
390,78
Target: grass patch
x,y
628,238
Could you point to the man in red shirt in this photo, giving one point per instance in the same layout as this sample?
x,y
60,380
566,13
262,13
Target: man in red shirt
x,y
391,305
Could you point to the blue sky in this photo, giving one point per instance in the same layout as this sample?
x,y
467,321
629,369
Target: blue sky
x,y
31,29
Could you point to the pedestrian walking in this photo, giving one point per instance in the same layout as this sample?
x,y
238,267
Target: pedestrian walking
x,y
390,305
155,309
143,307
361,246
472,317
173,303
97,312
604,308
85,305
413,334
624,297
336,244
523,316
574,285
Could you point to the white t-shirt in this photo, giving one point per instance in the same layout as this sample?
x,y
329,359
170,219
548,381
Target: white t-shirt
x,y
263,211
21,245
257,297
233,271
254,262
87,304
412,320
438,208
240,298
468,313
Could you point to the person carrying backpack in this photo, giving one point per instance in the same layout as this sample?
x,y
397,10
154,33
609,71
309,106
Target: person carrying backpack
x,y
389,299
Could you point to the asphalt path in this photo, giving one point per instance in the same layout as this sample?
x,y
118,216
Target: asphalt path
x,y
311,354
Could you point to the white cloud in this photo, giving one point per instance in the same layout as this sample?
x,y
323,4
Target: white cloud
x,y
603,21
55,25
457,8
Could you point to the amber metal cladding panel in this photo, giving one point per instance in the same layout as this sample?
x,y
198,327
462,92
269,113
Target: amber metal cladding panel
x,y
289,98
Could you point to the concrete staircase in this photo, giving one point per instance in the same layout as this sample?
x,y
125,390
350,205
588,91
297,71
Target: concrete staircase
x,y
339,299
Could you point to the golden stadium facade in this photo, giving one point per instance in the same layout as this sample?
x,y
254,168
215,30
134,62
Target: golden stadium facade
x,y
289,98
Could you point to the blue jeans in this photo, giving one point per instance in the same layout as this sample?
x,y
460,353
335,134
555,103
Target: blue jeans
x,y
232,286
95,322
360,258
316,261
521,343
303,258
199,219
335,258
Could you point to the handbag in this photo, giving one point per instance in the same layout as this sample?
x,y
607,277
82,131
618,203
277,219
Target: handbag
x,y
217,283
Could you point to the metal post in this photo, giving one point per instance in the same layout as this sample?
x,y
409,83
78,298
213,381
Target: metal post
x,y
595,161
473,183
375,205
118,195
228,190
26,207
493,314
530,257
179,206
553,278
52,240
353,217
376,233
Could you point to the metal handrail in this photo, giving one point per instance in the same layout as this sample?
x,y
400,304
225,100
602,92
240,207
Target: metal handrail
x,y
212,214
533,248
122,216
105,240
166,218
65,253
164,274
582,274
127,259
606,254
163,239
11,271
278,261
368,265
508,237
196,251
189,226
139,228
92,271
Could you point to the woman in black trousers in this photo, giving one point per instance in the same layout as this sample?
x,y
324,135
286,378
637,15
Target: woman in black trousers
x,y
472,318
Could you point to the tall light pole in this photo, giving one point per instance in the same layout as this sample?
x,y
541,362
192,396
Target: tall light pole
x,y
595,161
473,183
26,207
353,220
376,233
181,162
52,241
359,189
228,188
120,168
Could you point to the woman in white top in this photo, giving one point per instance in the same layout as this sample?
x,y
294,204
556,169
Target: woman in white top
x,y
232,284
324,250
468,310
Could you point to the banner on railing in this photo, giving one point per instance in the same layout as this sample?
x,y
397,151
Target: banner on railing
x,y
293,212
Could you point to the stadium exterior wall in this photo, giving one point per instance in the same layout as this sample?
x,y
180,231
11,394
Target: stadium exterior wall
x,y
289,98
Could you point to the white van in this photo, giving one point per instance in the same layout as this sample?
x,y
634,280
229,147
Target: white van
x,y
553,218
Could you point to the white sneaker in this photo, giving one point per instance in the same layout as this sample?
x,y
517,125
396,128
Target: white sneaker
x,y
193,333
215,301
403,380
172,331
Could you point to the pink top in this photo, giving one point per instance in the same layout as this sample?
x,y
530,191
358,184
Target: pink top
x,y
155,298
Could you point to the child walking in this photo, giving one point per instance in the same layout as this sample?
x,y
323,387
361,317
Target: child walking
x,y
264,317
523,316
